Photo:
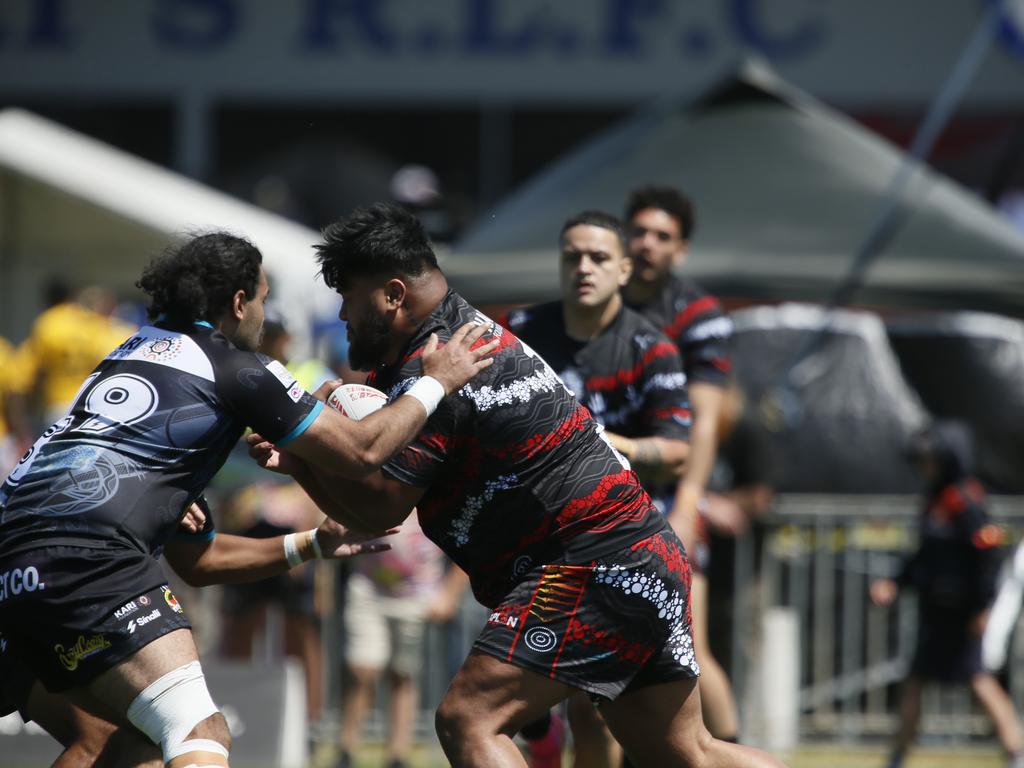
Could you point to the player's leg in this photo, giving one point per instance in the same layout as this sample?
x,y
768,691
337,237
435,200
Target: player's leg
x,y
488,701
89,741
719,705
910,717
1000,709
593,744
162,692
661,725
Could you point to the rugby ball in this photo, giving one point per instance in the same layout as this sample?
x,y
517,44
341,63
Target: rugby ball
x,y
357,400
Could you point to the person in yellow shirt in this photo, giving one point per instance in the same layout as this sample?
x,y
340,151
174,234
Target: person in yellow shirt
x,y
66,342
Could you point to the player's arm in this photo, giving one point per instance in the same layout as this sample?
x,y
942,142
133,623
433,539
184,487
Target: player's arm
x,y
225,558
654,458
661,453
357,448
372,503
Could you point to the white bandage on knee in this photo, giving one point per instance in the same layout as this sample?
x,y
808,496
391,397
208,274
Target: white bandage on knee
x,y
170,707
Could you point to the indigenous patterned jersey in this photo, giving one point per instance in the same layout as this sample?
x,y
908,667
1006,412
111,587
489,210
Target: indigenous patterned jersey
x,y
630,376
697,324
516,470
146,432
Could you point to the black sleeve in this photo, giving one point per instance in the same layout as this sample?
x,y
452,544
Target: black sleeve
x,y
666,406
264,395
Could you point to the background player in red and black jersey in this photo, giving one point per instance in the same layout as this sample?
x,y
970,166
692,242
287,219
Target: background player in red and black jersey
x,y
629,375
514,481
954,573
660,222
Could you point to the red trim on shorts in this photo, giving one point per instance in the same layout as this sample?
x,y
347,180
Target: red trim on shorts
x,y
565,635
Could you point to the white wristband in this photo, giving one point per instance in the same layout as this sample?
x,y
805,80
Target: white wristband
x,y
316,544
429,391
291,551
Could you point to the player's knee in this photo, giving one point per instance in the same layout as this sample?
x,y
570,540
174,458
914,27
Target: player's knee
x,y
177,712
453,720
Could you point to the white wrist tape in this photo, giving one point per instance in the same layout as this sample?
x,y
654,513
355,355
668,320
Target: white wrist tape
x,y
317,552
291,550
429,391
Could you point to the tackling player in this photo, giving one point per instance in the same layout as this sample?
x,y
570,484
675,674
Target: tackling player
x,y
512,478
89,506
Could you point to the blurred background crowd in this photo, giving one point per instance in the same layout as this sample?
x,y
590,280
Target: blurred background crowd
x,y
800,131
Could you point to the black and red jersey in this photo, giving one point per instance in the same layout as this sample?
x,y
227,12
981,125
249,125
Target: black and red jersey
x,y
960,551
630,376
516,471
698,325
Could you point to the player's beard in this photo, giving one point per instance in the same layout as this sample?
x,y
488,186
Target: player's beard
x,y
370,348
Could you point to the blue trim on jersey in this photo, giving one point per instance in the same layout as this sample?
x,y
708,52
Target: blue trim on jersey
x,y
194,537
204,324
303,425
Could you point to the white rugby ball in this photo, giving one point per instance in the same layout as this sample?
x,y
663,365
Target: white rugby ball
x,y
357,400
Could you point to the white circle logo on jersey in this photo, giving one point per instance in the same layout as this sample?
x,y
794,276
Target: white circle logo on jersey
x,y
541,639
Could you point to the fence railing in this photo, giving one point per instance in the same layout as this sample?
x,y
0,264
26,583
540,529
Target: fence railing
x,y
817,558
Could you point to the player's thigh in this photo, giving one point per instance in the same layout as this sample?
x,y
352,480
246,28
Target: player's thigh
x,y
659,724
491,696
123,682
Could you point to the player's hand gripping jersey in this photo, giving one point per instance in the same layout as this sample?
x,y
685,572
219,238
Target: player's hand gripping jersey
x,y
516,470
147,430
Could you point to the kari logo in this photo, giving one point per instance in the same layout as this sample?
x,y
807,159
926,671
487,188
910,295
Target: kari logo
x,y
541,639
126,610
171,600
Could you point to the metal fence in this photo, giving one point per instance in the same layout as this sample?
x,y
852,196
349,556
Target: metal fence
x,y
816,559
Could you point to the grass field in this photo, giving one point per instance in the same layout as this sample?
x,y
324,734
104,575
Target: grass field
x,y
808,757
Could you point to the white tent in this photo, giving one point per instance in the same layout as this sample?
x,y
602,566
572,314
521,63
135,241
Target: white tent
x,y
74,207
785,189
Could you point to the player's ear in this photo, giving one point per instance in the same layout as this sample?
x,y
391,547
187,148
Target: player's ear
x,y
395,292
238,304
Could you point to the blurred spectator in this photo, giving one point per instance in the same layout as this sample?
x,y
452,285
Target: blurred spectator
x,y
262,511
390,598
273,508
66,342
953,572
9,453
661,221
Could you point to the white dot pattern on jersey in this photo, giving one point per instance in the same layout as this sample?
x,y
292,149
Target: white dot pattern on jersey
x,y
668,601
470,510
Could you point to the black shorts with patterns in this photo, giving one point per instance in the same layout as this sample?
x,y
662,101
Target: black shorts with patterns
x,y
16,682
79,611
619,623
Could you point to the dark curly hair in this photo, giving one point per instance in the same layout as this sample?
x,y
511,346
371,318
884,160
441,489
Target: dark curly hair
x,y
595,218
380,239
667,199
196,280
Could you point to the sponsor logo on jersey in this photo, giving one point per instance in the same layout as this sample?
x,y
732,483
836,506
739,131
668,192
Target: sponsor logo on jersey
x,y
82,649
162,350
296,392
15,581
281,373
503,619
142,621
143,600
126,610
171,600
